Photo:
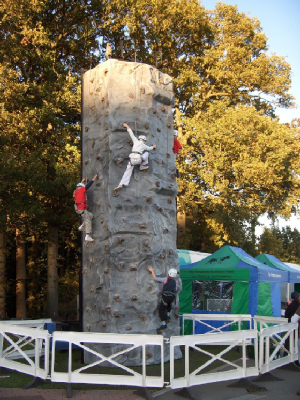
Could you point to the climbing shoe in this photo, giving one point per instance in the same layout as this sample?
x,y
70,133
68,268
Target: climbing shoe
x,y
168,318
144,167
161,328
118,187
89,239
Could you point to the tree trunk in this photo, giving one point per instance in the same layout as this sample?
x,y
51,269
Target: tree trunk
x,y
2,275
52,280
20,276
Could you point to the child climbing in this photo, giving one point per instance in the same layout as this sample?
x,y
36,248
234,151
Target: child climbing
x,y
81,207
170,287
176,149
139,156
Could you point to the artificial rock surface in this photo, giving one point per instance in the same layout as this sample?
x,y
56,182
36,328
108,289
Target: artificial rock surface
x,y
134,228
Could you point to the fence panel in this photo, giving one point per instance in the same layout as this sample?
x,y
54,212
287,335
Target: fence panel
x,y
231,322
89,343
24,344
273,352
198,343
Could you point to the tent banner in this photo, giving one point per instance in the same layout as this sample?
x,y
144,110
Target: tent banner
x,y
216,274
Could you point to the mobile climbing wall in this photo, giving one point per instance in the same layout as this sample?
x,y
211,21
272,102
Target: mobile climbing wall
x,y
135,228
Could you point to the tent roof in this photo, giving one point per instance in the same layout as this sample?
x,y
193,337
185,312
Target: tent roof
x,y
189,256
231,264
273,262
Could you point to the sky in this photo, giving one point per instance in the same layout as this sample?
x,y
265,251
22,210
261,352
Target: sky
x,y
280,22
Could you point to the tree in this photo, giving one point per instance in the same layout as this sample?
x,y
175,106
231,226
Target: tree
x,y
45,45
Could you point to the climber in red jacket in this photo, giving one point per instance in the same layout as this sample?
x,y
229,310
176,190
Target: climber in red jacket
x,y
81,207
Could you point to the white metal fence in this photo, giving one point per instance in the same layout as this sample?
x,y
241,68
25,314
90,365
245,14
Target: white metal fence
x,y
130,343
21,349
270,351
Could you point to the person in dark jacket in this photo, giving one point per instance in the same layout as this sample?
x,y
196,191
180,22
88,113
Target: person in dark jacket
x,y
292,307
170,287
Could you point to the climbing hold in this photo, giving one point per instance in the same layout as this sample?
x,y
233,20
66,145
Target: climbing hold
x,y
128,327
116,314
86,129
88,327
131,96
162,256
106,271
102,219
120,160
86,162
148,355
163,162
146,126
166,230
143,90
106,114
130,71
92,290
117,298
103,99
122,265
106,246
167,155
154,111
149,288
170,251
105,71
173,176
91,93
104,324
92,261
161,81
93,143
137,120
106,144
107,308
169,201
98,157
159,208
170,186
92,80
120,240
143,226
85,271
147,245
149,200
143,318
87,309
133,268
134,298
157,184
158,129
169,125
106,128
105,228
163,110
91,108
124,219
98,203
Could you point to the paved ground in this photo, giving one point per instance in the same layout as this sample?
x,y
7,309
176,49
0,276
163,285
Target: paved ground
x,y
281,384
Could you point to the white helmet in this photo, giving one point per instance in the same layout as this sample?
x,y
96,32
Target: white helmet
x,y
80,184
172,273
142,137
175,133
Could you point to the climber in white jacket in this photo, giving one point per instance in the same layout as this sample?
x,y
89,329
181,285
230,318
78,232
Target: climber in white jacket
x,y
139,156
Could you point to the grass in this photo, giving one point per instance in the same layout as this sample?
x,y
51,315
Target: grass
x,y
14,379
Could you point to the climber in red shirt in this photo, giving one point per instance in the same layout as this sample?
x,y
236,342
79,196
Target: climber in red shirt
x,y
81,207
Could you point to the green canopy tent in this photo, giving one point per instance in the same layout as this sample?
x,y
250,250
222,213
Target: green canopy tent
x,y
256,287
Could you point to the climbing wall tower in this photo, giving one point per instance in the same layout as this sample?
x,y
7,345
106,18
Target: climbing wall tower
x,y
135,228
